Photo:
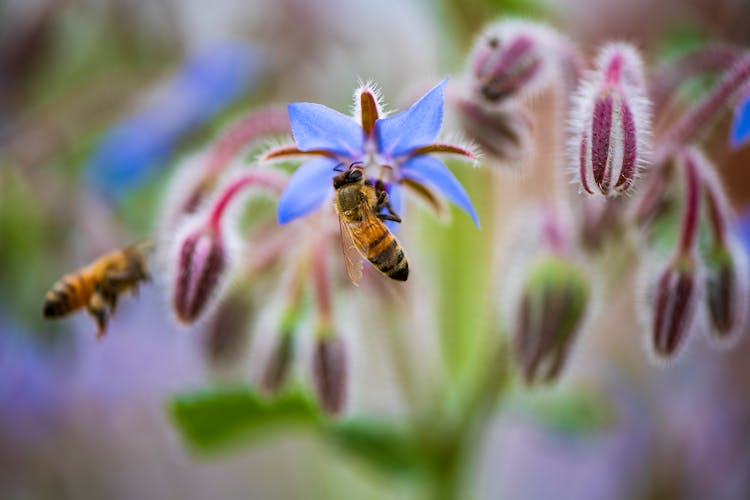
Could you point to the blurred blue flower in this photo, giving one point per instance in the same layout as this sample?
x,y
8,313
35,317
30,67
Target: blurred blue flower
x,y
741,125
398,148
742,226
133,150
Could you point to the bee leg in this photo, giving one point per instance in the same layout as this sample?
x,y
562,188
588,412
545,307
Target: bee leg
x,y
384,202
111,300
98,309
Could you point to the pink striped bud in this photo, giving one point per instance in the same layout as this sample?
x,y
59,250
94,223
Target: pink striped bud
x,y
329,373
513,57
611,122
200,267
674,307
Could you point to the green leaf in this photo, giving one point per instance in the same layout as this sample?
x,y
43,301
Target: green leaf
x,y
567,412
215,418
383,445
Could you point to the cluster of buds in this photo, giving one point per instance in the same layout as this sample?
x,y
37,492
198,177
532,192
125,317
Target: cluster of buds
x,y
204,247
511,60
610,122
716,274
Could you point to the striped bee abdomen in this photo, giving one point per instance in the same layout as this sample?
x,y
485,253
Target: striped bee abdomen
x,y
385,253
72,292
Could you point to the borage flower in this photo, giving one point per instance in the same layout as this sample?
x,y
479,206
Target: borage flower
x,y
396,150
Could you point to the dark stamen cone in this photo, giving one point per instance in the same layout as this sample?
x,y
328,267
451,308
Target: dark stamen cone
x,y
329,373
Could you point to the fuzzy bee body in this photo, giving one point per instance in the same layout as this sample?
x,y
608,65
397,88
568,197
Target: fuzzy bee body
x,y
97,286
358,202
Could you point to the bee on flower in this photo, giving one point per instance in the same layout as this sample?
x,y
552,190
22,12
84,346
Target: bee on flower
x,y
388,154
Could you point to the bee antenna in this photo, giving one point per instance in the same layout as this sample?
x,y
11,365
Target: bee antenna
x,y
351,165
339,167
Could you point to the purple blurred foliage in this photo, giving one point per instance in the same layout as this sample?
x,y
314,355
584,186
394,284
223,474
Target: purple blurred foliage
x,y
526,459
135,148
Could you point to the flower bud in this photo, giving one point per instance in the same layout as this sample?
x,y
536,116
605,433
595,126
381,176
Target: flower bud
x,y
329,373
227,333
611,122
726,292
200,267
673,312
277,369
512,57
550,313
503,133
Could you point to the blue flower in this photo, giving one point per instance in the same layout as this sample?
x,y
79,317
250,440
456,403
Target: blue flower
x,y
396,149
133,150
741,124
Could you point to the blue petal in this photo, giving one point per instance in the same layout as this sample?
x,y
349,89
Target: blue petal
x,y
741,125
308,187
139,145
432,172
315,126
413,128
396,199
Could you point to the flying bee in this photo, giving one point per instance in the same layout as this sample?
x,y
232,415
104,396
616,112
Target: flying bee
x,y
359,203
97,286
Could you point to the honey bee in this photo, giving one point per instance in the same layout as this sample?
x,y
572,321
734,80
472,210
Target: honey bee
x,y
359,203
97,286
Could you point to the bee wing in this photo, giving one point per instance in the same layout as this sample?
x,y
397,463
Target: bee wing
x,y
352,258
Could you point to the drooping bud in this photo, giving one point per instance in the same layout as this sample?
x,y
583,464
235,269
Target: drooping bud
x,y
674,298
329,372
282,356
200,267
674,307
726,292
553,303
725,263
503,133
514,57
227,333
277,369
611,122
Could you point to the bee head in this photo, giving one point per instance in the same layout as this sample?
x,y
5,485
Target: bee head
x,y
352,175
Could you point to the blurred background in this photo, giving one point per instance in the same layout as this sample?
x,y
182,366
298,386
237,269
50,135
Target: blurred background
x,y
99,102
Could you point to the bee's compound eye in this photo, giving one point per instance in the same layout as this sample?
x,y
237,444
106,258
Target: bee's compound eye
x,y
355,175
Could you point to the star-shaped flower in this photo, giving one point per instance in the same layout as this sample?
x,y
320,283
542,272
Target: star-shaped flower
x,y
396,149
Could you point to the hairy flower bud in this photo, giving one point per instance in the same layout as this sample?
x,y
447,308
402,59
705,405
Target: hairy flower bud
x,y
611,122
550,313
726,292
200,266
503,133
513,57
329,373
674,307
